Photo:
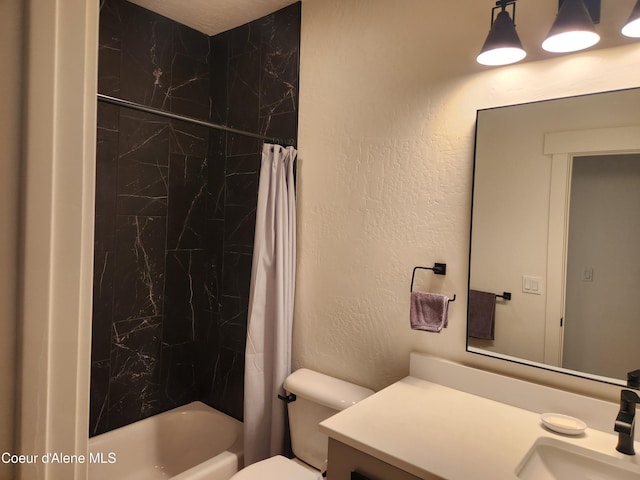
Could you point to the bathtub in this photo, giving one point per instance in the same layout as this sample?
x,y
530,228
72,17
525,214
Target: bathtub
x,y
192,442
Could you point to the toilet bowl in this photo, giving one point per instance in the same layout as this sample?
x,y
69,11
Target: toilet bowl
x,y
317,397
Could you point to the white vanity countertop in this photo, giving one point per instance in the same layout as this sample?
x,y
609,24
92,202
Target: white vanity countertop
x,y
423,427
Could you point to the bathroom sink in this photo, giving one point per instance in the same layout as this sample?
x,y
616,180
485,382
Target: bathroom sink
x,y
551,459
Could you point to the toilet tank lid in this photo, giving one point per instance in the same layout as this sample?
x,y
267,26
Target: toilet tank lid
x,y
325,390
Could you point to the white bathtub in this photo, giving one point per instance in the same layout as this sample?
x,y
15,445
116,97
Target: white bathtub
x,y
193,442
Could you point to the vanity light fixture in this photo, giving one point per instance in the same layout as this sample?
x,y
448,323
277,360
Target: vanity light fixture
x,y
632,27
572,30
502,45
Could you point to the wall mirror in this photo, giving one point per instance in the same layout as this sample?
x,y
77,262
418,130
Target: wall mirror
x,y
556,224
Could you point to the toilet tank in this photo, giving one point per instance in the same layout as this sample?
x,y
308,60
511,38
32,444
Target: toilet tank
x,y
318,397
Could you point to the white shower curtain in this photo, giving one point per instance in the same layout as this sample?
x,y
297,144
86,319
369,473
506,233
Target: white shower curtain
x,y
268,351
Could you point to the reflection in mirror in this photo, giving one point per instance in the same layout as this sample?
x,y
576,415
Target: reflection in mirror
x,y
602,321
556,222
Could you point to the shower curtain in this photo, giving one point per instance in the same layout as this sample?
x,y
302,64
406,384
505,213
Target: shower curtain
x,y
268,350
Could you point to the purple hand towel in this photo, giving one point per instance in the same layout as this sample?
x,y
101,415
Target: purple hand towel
x,y
482,313
429,311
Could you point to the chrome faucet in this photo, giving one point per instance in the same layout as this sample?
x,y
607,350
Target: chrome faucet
x,y
625,421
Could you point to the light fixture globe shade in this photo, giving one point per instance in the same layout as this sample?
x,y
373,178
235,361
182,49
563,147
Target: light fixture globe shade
x,y
502,45
572,30
632,27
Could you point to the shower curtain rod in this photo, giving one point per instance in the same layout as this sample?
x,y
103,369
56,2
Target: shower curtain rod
x,y
143,108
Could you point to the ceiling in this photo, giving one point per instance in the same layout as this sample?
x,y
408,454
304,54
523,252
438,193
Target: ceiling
x,y
213,16
534,17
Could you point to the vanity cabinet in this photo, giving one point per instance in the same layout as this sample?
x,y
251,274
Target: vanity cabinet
x,y
347,463
430,428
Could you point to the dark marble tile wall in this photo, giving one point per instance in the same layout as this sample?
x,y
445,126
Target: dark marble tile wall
x,y
175,206
260,64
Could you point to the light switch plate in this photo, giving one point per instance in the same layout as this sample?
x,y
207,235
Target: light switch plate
x,y
587,274
532,284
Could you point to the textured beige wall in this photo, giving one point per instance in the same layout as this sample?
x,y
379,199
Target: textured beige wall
x,y
10,45
386,138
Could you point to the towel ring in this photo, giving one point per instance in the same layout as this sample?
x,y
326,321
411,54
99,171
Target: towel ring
x,y
438,269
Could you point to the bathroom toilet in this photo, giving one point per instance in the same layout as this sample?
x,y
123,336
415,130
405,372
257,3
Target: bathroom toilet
x,y
318,397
